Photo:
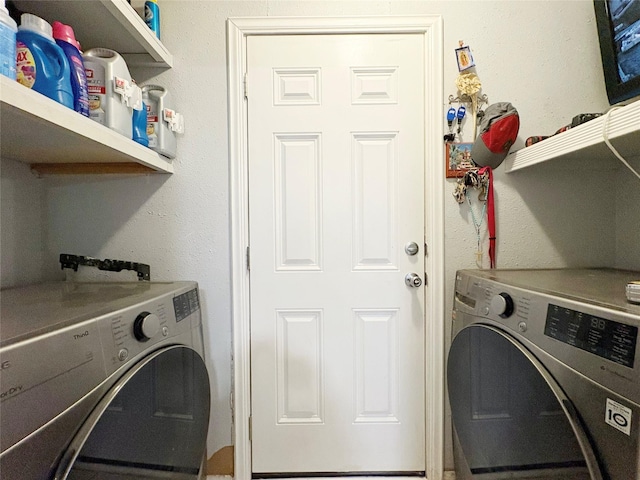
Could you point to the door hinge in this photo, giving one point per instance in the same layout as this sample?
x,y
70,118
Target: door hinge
x,y
248,260
245,86
250,427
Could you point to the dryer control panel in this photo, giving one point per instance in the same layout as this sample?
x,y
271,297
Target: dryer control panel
x,y
134,330
608,339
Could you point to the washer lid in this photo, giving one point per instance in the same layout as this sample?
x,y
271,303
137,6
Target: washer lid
x,y
27,312
604,287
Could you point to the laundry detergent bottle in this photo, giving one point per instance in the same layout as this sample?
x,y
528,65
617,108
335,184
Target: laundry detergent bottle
x,y
65,38
162,138
107,72
8,30
41,64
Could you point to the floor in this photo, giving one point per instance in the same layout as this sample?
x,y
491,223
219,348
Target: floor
x,y
449,475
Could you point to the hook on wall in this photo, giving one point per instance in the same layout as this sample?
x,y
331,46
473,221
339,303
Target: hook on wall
x,y
475,104
482,99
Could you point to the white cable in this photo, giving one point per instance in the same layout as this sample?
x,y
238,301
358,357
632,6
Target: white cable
x,y
605,135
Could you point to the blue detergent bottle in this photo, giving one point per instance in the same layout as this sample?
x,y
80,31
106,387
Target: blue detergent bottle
x,y
41,64
65,38
140,126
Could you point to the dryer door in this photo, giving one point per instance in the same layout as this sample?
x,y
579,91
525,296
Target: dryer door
x,y
152,424
509,415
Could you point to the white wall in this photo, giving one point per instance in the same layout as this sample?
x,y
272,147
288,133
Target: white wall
x,y
628,219
541,56
21,228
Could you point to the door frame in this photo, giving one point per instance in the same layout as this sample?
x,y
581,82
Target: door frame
x,y
431,28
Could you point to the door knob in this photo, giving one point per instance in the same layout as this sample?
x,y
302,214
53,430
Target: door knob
x,y
413,280
411,248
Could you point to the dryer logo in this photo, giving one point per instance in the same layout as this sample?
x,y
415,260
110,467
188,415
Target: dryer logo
x,y
81,335
11,392
618,416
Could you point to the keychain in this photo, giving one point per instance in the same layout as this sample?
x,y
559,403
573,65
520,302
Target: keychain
x,y
451,115
461,112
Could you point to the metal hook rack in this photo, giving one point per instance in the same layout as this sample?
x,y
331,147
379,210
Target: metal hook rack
x,y
481,99
476,115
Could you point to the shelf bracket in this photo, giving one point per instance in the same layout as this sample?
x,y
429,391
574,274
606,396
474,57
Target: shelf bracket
x,y
73,261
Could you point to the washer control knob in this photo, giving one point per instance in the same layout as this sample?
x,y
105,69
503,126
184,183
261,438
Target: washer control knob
x,y
146,326
502,305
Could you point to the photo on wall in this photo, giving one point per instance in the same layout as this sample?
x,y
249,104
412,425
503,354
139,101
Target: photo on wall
x,y
458,159
465,58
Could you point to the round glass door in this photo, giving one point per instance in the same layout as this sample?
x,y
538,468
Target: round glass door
x,y
152,424
509,415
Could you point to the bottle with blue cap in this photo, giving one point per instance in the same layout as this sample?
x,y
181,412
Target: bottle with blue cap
x,y
8,30
40,63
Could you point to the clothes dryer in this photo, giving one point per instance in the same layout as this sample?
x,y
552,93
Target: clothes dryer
x,y
102,380
544,375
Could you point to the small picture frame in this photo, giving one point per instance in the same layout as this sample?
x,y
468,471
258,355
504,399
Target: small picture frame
x,y
458,159
465,58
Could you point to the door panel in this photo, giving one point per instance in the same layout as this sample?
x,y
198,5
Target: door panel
x,y
336,189
297,196
375,165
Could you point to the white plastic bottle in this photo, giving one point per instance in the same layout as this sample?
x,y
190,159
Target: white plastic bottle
x,y
162,121
8,30
108,78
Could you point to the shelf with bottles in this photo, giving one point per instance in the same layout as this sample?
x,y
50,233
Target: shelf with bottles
x,y
55,139
585,144
112,24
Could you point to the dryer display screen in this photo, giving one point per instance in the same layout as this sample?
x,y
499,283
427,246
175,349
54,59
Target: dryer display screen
x,y
605,338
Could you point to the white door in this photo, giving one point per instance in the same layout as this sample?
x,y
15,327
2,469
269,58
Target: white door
x,y
336,191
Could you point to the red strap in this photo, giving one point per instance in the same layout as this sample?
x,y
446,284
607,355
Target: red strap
x,y
491,218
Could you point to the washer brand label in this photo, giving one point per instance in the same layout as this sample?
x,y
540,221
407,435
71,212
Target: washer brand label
x,y
618,416
81,335
10,392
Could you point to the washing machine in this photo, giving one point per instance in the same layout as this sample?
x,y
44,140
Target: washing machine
x,y
543,375
102,381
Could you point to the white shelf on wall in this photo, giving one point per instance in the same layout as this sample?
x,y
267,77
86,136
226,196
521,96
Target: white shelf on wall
x,y
112,24
55,139
584,145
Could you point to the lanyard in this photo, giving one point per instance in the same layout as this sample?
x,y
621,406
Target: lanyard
x,y
491,218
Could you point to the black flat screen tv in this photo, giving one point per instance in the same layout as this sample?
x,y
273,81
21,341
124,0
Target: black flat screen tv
x,y
618,23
